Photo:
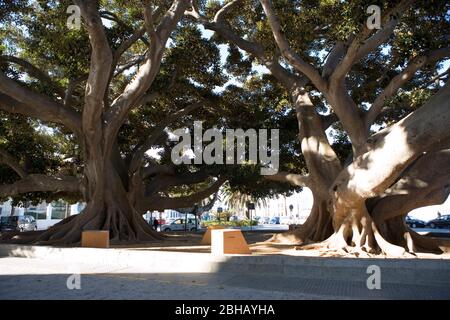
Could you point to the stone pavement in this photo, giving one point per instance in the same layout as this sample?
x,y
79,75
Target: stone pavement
x,y
38,278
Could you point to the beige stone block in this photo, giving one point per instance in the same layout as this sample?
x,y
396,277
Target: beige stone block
x,y
228,241
95,239
206,240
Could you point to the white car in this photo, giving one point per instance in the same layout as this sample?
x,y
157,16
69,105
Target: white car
x,y
179,225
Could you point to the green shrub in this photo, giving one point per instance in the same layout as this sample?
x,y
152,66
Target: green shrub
x,y
243,223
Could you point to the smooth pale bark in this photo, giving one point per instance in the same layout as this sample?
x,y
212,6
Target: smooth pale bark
x,y
376,170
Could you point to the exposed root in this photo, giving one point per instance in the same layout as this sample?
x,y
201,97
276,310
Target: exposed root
x,y
294,237
428,244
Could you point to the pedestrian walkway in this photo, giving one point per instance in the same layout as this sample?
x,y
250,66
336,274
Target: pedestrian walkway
x,y
43,273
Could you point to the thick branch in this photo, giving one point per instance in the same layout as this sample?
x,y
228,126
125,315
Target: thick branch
x,y
146,74
393,151
101,61
12,162
41,183
160,169
18,99
426,182
294,59
333,58
137,34
329,120
164,181
292,178
35,72
157,202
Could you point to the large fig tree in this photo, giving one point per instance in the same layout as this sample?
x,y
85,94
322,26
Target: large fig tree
x,y
105,92
379,91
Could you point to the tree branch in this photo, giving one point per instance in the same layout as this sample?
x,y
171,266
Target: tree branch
x,y
157,132
328,120
146,74
159,169
399,80
157,202
333,58
294,59
360,46
68,97
425,182
35,72
287,78
100,68
18,99
219,16
41,183
169,179
376,170
12,162
149,22
292,178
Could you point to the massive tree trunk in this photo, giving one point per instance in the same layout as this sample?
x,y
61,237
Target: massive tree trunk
x,y
108,208
323,165
406,167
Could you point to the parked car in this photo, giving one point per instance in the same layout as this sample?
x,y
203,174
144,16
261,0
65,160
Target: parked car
x,y
275,220
264,220
18,223
234,218
414,223
179,225
441,222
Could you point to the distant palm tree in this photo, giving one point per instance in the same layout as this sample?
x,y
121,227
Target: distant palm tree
x,y
237,200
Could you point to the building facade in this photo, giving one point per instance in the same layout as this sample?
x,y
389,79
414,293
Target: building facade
x,y
46,214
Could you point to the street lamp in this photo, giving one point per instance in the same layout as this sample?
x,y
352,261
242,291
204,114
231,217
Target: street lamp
x,y
250,207
195,216
219,211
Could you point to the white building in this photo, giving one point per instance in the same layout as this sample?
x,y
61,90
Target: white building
x,y
46,214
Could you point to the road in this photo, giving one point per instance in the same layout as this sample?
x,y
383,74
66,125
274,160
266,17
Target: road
x,y
284,227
